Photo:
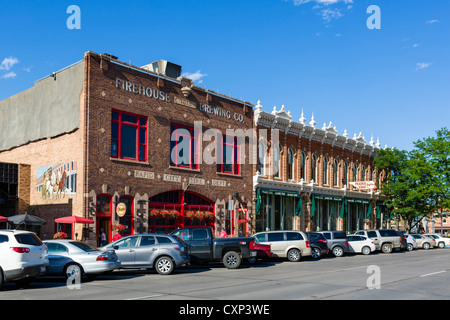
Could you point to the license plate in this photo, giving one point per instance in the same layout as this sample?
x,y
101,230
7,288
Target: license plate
x,y
43,269
253,253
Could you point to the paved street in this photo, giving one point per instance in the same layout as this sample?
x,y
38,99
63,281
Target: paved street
x,y
422,275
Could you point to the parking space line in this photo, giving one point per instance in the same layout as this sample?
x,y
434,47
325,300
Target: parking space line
x,y
146,297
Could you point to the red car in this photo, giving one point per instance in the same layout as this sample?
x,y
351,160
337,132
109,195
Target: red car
x,y
262,251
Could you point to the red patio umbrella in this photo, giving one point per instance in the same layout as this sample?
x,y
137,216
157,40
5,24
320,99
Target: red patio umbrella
x,y
3,219
74,219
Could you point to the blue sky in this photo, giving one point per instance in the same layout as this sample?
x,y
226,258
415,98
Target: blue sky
x,y
316,55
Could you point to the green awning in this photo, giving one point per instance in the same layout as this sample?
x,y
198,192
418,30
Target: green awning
x,y
343,208
369,210
313,206
258,201
298,209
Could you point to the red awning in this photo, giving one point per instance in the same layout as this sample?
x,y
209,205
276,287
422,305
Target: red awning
x,y
3,219
74,219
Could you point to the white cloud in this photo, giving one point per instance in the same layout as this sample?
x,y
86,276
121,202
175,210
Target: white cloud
x,y
432,21
9,75
8,63
196,76
422,65
328,14
321,2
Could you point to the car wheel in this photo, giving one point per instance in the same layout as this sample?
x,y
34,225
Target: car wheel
x,y
410,247
441,245
338,251
294,255
386,248
315,254
164,265
73,271
426,246
365,250
232,260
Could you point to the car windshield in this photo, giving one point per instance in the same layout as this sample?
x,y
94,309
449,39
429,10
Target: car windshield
x,y
83,246
176,237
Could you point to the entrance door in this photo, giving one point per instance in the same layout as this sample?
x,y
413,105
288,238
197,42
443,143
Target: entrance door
x,y
103,223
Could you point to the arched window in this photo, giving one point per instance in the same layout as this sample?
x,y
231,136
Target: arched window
x,y
276,161
336,172
355,172
325,170
314,167
302,166
103,205
291,164
363,173
262,158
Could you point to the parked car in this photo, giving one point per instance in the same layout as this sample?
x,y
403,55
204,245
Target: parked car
x,y
71,258
384,239
318,243
262,251
336,241
424,242
23,256
162,252
441,241
360,244
292,245
411,242
203,247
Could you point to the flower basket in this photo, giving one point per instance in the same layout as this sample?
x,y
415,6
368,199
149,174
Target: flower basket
x,y
154,213
118,227
208,215
242,221
199,215
173,214
189,214
60,235
164,213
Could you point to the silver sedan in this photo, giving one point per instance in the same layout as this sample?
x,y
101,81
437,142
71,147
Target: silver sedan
x,y
424,242
74,259
159,251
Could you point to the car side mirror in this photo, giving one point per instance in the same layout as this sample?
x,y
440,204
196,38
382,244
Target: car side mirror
x,y
115,247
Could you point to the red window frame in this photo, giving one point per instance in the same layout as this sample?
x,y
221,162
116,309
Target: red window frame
x,y
141,126
193,147
236,148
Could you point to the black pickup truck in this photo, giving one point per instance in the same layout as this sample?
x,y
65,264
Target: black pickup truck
x,y
204,248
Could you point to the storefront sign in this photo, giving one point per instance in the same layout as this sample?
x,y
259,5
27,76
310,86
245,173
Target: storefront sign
x,y
218,183
121,209
171,178
142,90
364,185
199,181
185,102
221,112
144,174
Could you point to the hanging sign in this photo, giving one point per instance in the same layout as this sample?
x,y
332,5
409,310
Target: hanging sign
x,y
121,209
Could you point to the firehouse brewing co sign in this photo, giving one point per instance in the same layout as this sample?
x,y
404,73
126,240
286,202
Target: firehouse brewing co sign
x,y
162,96
142,90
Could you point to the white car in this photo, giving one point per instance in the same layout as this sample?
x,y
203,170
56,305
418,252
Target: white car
x,y
23,256
360,244
411,242
440,240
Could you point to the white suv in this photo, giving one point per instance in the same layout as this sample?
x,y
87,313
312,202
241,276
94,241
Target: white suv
x,y
23,256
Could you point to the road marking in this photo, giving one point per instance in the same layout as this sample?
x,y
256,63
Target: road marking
x,y
430,274
146,297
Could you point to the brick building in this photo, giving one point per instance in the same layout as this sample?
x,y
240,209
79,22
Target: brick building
x,y
310,178
121,145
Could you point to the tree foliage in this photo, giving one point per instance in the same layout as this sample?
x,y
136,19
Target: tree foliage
x,y
417,182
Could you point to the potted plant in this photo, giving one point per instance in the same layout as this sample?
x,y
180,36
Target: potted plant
x,y
118,227
208,215
60,235
173,214
154,213
189,214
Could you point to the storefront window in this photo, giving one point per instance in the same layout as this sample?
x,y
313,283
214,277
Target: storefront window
x,y
128,219
183,147
128,136
229,153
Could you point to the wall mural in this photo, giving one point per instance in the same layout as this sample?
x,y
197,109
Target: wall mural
x,y
57,182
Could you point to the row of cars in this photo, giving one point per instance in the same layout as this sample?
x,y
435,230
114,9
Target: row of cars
x,y
23,256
